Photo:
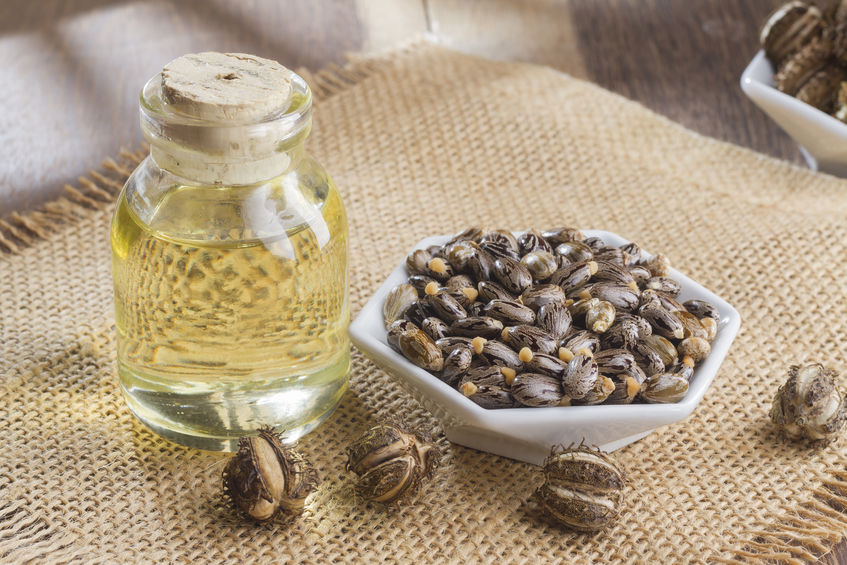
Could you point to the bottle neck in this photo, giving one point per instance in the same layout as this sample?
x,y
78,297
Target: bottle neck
x,y
226,153
222,169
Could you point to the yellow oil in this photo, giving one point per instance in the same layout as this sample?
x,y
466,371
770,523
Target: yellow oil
x,y
231,310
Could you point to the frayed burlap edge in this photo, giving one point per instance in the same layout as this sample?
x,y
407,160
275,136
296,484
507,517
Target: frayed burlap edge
x,y
800,533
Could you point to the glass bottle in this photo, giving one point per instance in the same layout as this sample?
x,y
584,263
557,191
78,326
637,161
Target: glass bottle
x,y
229,253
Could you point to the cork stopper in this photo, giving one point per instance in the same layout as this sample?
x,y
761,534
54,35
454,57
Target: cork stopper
x,y
231,87
225,118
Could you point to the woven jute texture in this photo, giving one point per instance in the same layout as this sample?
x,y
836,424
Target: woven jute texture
x,y
423,141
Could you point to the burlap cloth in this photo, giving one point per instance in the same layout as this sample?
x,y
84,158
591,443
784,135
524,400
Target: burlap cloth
x,y
426,141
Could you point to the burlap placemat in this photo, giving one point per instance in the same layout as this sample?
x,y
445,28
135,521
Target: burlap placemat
x,y
425,141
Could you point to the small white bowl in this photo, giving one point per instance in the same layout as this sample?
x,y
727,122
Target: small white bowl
x,y
528,434
821,137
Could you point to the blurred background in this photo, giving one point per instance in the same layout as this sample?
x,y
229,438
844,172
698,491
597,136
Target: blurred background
x,y
71,70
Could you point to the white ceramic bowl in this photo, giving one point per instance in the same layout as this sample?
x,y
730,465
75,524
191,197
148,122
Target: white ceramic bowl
x,y
528,434
822,138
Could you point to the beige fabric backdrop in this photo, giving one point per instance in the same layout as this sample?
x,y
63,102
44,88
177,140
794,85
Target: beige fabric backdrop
x,y
424,141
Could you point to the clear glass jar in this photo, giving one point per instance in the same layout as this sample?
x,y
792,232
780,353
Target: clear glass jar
x,y
229,248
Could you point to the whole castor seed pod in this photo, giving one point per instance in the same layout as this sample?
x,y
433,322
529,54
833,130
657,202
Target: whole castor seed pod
x,y
583,488
810,405
265,478
391,461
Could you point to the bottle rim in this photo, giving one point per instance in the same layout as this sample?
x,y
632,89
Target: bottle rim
x,y
225,151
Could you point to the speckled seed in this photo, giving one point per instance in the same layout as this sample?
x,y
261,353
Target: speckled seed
x,y
498,250
531,241
666,301
419,348
490,397
397,328
691,325
636,373
557,236
444,306
540,264
535,389
435,251
600,316
536,339
510,312
664,323
495,352
574,275
664,388
459,253
472,326
627,388
664,284
490,290
501,236
643,326
711,327
648,360
459,282
476,308
420,282
603,387
582,340
614,361
489,375
662,346
555,319
456,364
416,261
613,255
580,377
623,333
464,296
702,309
622,296
439,269
695,347
546,365
683,369
399,299
512,275
633,251
594,243
481,265
610,272
537,296
659,265
448,344
418,312
639,273
470,234
575,251
435,328
579,308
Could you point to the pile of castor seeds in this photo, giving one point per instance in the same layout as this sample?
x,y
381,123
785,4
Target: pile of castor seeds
x,y
548,319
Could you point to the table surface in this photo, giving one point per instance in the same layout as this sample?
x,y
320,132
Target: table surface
x,y
72,70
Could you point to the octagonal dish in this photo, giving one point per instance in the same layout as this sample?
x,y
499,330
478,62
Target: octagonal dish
x,y
527,434
821,137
